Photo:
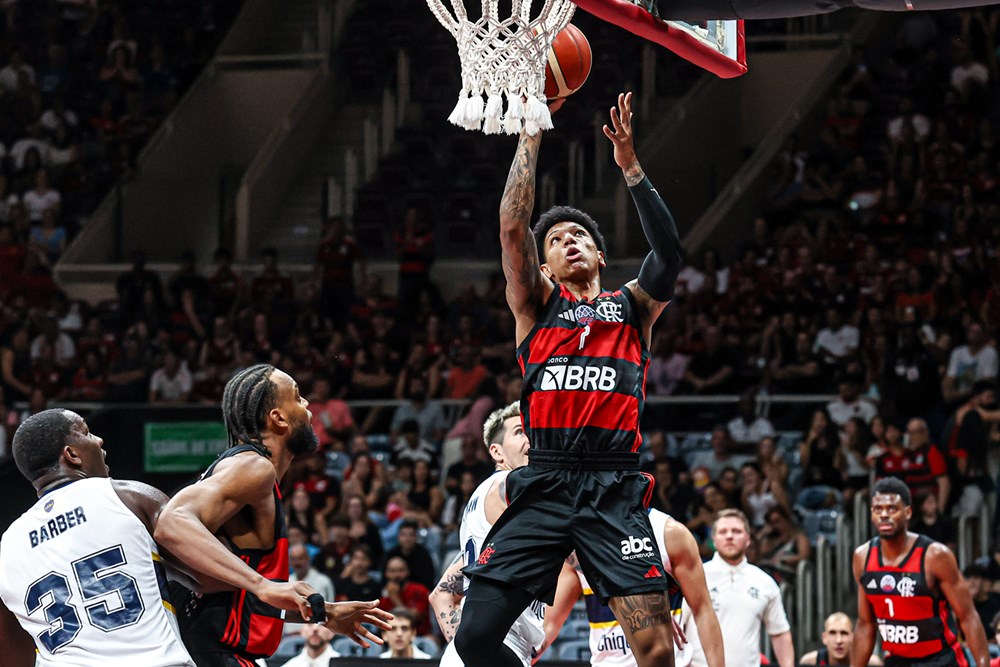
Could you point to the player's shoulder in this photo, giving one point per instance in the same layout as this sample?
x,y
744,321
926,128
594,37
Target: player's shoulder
x,y
937,553
249,466
862,549
675,534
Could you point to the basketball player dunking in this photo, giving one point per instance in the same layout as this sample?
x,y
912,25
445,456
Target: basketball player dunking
x,y
584,353
908,586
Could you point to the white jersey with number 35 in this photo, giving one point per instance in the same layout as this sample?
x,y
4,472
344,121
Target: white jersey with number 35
x,y
83,577
527,633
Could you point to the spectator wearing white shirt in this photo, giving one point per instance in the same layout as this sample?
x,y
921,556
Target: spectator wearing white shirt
x,y
302,570
745,598
317,652
171,383
62,344
969,363
10,74
749,428
907,116
58,116
838,342
41,198
400,638
849,402
968,77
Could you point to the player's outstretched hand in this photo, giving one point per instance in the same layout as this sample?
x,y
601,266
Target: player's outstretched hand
x,y
346,618
291,596
621,134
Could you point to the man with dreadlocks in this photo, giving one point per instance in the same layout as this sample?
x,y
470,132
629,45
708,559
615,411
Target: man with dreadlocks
x,y
230,526
584,352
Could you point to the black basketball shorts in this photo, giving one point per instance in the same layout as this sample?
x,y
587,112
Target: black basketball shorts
x,y
602,514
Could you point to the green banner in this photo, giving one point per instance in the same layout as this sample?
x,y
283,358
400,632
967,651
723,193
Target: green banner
x,y
183,446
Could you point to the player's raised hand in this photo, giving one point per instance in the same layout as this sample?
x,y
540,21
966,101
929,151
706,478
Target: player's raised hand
x,y
346,618
620,132
291,596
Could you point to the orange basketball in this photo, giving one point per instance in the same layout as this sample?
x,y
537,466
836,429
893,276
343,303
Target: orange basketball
x,y
569,63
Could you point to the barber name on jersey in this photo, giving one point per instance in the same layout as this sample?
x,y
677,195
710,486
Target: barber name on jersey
x,y
57,525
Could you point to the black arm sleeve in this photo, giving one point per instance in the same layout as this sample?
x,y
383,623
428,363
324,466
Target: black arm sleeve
x,y
661,266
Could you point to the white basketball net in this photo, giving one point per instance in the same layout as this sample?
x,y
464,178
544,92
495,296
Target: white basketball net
x,y
503,58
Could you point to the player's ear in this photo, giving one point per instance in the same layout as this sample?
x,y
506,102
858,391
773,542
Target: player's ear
x,y
546,271
71,456
600,259
277,417
496,453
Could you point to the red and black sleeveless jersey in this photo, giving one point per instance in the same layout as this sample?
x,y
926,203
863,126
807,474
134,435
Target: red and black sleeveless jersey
x,y
239,623
914,620
584,365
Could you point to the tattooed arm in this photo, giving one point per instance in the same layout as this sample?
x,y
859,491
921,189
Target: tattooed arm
x,y
446,597
527,288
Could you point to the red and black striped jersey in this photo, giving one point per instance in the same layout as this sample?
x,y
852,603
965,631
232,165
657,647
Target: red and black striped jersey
x,y
239,623
584,364
914,620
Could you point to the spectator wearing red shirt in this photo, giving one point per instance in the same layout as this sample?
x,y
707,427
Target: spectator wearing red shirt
x,y
12,256
415,252
465,377
224,286
968,442
400,592
337,258
918,462
331,417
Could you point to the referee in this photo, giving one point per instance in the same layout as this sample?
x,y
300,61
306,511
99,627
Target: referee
x,y
744,596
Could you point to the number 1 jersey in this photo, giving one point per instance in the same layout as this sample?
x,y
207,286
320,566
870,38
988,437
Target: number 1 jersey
x,y
84,578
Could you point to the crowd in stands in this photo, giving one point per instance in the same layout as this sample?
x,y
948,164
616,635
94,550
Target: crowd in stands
x,y
873,276
83,85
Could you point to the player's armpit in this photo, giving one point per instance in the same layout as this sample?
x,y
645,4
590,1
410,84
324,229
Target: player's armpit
x,y
650,309
496,501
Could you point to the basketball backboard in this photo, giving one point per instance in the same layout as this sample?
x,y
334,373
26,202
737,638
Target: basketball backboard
x,y
717,46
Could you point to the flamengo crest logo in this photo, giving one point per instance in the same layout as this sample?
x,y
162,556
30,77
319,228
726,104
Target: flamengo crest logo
x,y
610,311
906,587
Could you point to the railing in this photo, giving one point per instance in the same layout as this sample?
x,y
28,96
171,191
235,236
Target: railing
x,y
844,579
824,578
973,530
805,605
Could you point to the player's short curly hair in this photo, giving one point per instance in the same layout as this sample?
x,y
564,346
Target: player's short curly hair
x,y
558,214
893,486
39,442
